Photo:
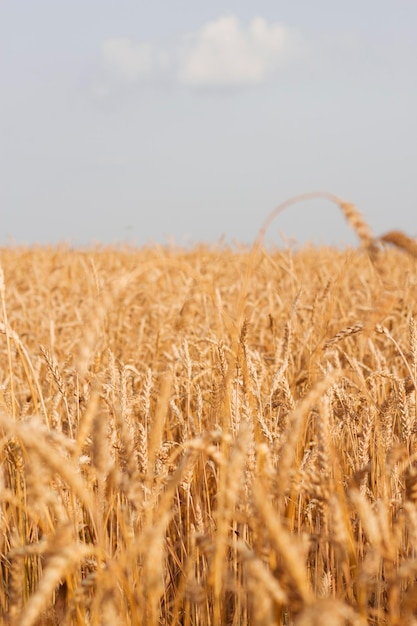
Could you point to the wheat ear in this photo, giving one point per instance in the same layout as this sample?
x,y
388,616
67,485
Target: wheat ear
x,y
351,213
400,240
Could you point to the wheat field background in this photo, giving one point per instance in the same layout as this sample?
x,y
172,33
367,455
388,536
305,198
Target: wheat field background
x,y
213,436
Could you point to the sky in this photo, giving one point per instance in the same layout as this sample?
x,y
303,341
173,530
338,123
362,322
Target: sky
x,y
182,121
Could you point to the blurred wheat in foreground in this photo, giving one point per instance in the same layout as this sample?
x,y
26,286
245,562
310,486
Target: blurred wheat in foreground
x,y
208,437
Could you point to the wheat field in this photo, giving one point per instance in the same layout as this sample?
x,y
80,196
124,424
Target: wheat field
x,y
212,436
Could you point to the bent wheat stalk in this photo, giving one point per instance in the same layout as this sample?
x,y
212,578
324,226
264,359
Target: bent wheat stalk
x,y
401,240
351,213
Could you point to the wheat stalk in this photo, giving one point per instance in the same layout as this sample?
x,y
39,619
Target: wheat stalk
x,y
400,240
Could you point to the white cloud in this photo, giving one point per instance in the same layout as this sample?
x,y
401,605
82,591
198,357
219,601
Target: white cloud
x,y
224,53
221,53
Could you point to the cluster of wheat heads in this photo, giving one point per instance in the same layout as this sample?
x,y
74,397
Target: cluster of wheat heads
x,y
174,452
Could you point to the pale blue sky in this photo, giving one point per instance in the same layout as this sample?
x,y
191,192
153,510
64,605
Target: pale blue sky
x,y
137,121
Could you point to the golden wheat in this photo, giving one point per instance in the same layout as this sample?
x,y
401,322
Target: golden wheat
x,y
401,240
209,436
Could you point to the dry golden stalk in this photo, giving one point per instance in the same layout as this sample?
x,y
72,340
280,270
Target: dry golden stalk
x,y
287,547
351,213
158,422
357,222
413,342
344,333
6,330
406,418
364,448
259,576
411,484
34,440
16,580
384,331
296,422
61,556
401,240
54,370
230,488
